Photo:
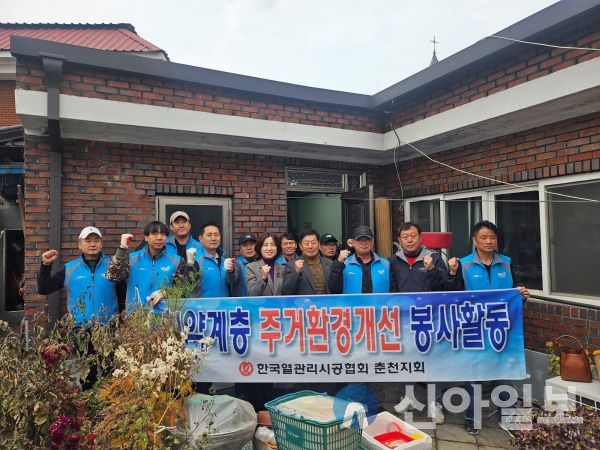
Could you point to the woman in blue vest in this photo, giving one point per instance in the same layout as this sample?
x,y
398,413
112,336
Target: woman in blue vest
x,y
90,296
485,269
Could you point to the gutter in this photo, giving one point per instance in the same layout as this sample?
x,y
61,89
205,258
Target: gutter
x,y
53,65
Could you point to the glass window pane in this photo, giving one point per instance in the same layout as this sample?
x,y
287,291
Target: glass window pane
x,y
461,215
574,227
426,214
518,222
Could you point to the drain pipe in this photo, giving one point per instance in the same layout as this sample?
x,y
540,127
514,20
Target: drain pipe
x,y
53,69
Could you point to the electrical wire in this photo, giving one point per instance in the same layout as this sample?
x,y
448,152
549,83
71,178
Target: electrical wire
x,y
544,45
520,186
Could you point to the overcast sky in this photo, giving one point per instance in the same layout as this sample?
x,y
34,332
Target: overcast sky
x,y
359,46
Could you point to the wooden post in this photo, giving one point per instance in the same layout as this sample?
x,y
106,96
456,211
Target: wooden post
x,y
383,227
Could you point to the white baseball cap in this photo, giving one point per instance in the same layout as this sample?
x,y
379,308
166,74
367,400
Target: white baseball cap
x,y
177,214
89,230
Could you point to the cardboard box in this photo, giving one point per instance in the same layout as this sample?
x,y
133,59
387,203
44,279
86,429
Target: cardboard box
x,y
388,423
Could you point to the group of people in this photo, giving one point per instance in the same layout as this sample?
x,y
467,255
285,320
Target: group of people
x,y
269,265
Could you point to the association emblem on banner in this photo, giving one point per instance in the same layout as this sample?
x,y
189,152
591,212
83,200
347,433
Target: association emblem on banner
x,y
246,368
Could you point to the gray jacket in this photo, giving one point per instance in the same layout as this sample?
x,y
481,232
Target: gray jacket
x,y
255,283
302,283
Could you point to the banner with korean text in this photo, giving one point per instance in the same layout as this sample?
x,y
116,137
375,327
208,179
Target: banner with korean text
x,y
434,336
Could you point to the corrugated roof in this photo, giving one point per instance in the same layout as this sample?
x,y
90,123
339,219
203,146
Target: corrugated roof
x,y
119,37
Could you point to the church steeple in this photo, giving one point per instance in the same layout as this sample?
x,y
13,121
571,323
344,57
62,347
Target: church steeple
x,y
434,57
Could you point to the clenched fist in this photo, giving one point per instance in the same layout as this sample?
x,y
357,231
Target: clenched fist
x,y
264,270
229,264
125,240
343,255
428,262
190,255
298,265
49,257
453,266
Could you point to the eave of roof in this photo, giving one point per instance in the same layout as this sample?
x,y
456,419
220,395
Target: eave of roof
x,y
554,15
113,37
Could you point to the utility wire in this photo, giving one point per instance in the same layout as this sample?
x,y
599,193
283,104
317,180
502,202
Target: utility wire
x,y
545,45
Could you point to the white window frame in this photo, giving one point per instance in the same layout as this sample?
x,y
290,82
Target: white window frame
x,y
488,197
544,234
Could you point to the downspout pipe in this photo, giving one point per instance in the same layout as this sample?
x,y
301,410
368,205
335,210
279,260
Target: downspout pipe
x,y
53,65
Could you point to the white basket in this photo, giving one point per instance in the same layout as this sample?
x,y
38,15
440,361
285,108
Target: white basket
x,y
386,422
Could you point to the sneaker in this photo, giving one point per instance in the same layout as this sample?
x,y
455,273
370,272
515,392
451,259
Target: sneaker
x,y
436,413
470,428
404,405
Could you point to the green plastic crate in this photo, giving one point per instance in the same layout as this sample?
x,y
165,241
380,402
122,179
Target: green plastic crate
x,y
298,433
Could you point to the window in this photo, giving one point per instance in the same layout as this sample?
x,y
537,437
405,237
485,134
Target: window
x,y
426,213
200,210
518,222
574,238
461,215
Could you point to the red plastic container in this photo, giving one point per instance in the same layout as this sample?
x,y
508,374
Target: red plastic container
x,y
436,239
393,439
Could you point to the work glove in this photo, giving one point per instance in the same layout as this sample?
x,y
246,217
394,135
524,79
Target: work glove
x,y
190,255
125,240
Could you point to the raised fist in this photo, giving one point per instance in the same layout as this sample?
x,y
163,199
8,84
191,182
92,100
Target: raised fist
x,y
453,265
428,262
298,265
229,264
126,240
265,271
190,255
49,257
343,255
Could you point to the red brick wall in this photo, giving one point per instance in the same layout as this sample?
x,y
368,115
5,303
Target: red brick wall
x,y
8,115
115,186
524,63
545,320
565,148
174,94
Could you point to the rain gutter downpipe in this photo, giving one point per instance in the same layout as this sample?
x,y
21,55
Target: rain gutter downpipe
x,y
53,70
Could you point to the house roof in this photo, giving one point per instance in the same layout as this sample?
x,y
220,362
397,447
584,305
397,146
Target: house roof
x,y
119,37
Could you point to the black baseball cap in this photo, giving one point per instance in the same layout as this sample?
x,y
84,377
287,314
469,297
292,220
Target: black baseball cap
x,y
327,237
247,237
363,231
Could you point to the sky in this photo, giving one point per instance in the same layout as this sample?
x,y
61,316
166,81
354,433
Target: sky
x,y
361,46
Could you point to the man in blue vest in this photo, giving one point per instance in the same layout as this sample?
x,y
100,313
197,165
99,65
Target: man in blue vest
x,y
90,296
364,271
181,238
147,270
485,269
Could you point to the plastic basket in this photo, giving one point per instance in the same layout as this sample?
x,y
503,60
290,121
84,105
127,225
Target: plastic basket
x,y
299,433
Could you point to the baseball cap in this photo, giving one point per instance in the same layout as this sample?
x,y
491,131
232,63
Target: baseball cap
x,y
327,237
247,237
89,230
177,214
363,231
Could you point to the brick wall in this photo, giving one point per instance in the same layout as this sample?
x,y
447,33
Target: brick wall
x,y
8,115
115,185
565,148
175,94
521,64
545,320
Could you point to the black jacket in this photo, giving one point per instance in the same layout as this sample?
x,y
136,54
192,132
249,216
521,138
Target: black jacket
x,y
404,278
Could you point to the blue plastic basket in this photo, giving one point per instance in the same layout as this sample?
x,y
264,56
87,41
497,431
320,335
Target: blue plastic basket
x,y
299,433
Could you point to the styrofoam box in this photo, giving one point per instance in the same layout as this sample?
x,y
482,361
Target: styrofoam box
x,y
386,422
